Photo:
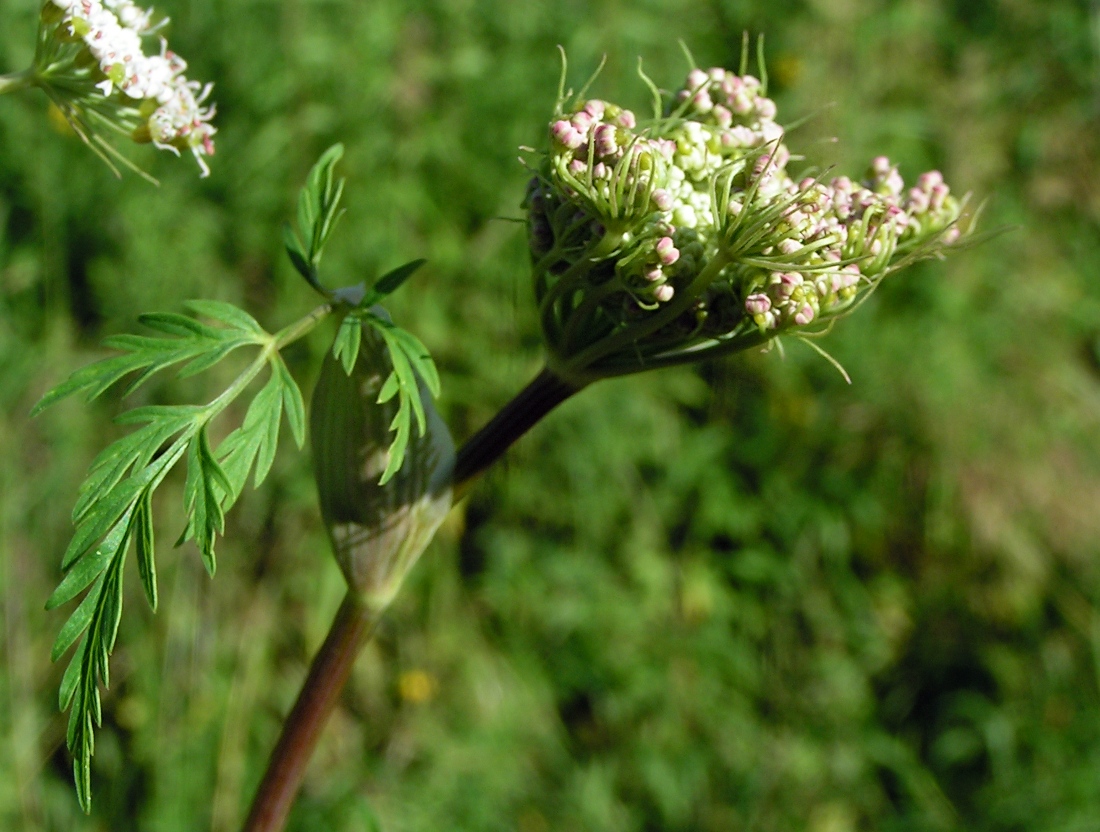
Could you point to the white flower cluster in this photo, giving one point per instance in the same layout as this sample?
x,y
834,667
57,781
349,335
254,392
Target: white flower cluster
x,y
708,183
171,106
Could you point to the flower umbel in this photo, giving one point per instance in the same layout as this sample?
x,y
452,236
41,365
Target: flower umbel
x,y
91,61
686,236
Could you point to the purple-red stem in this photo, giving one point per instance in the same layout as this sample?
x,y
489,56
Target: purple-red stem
x,y
328,674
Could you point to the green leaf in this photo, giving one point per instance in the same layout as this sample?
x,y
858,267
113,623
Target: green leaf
x,y
211,357
390,388
172,323
396,452
255,440
202,498
94,526
391,281
297,254
115,499
317,214
78,622
269,436
134,451
88,568
292,402
71,677
348,338
227,314
191,341
420,358
143,535
96,378
406,376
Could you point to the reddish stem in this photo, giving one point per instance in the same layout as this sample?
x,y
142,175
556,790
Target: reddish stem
x,y
352,628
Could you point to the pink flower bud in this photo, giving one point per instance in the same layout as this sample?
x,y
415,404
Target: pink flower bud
x,y
702,101
667,252
846,278
765,109
582,121
757,303
605,140
626,119
893,182
918,200
566,134
937,196
772,132
697,79
662,199
722,115
927,181
880,165
663,293
595,108
654,274
577,167
740,103
804,315
842,184
731,85
784,283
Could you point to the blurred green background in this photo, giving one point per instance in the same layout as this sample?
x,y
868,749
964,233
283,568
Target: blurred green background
x,y
742,596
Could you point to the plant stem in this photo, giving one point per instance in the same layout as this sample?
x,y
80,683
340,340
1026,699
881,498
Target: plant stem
x,y
545,392
16,81
356,620
352,628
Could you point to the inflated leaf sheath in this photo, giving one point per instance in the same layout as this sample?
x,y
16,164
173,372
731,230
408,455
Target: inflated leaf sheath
x,y
377,531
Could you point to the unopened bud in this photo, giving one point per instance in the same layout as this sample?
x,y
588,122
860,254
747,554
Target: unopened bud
x,y
757,303
667,252
377,531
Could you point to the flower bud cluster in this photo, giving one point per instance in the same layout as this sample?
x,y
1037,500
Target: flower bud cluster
x,y
171,111
690,227
606,166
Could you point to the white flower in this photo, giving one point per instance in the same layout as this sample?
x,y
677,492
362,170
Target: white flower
x,y
171,106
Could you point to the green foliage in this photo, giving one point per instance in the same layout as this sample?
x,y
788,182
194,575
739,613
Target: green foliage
x,y
409,357
116,497
318,206
318,213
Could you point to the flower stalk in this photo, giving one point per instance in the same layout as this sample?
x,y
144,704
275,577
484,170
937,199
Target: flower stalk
x,y
545,392
328,674
15,81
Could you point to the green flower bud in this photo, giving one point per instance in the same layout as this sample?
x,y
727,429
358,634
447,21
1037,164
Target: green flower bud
x,y
377,531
